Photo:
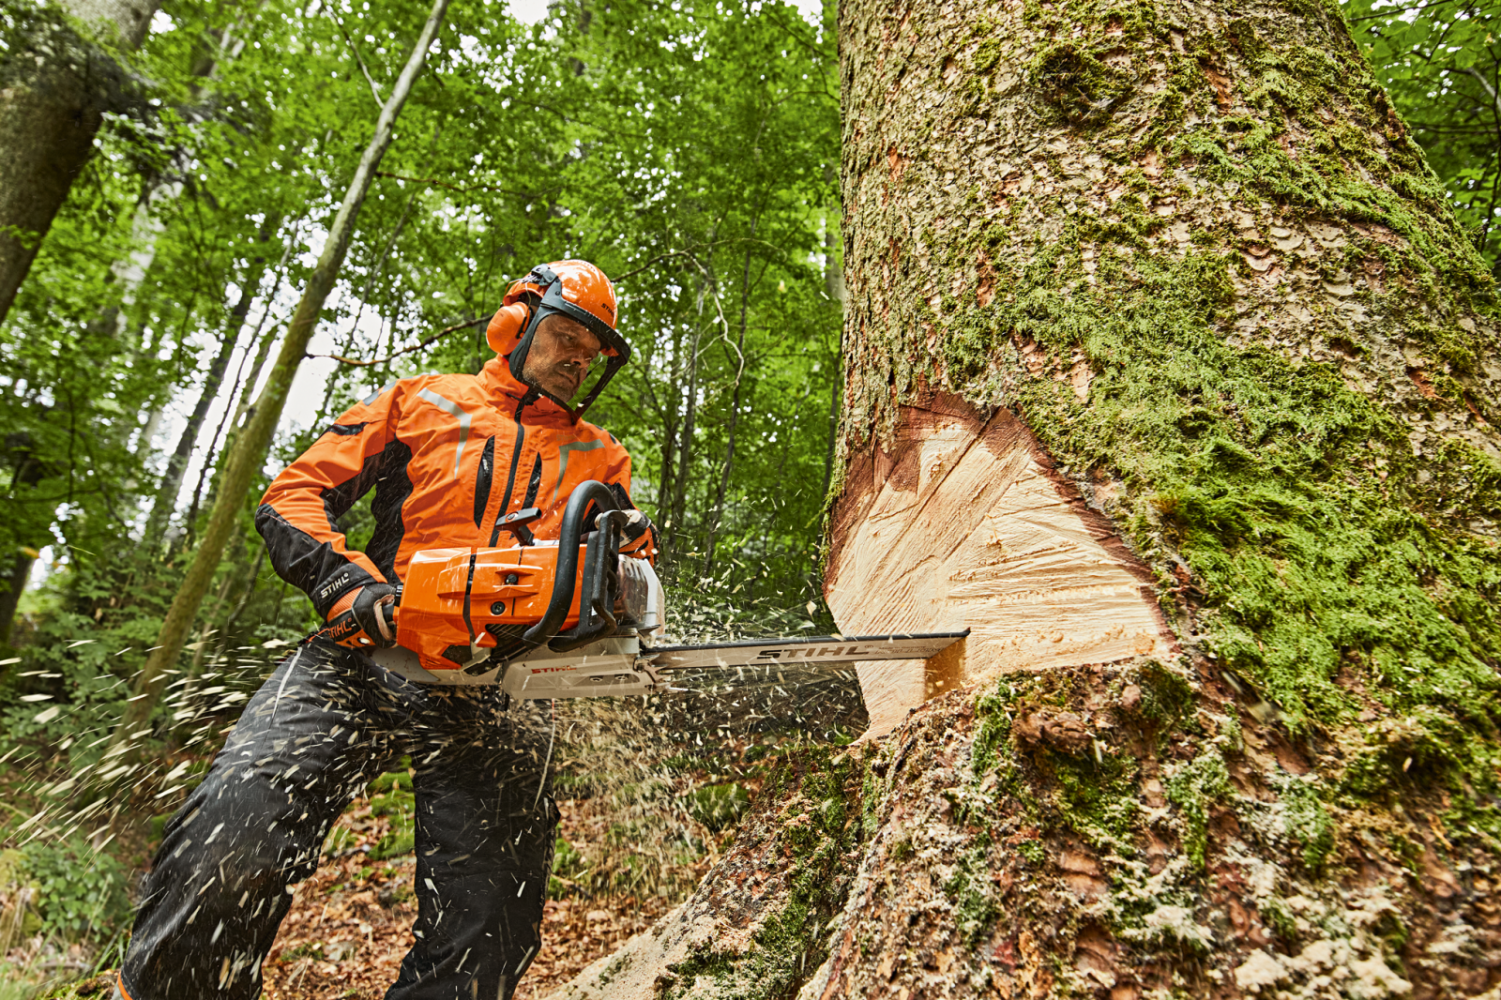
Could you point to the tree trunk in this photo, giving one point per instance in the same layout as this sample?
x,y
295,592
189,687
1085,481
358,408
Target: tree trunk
x,y
729,449
48,119
213,379
249,451
1171,377
10,598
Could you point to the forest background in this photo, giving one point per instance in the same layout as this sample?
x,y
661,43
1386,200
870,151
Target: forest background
x,y
690,149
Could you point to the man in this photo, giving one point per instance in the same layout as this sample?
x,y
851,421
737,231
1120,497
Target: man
x,y
448,457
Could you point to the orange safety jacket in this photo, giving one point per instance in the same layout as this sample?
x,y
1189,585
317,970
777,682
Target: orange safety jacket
x,y
448,456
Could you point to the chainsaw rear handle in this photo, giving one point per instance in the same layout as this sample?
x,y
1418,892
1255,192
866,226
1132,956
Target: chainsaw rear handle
x,y
567,571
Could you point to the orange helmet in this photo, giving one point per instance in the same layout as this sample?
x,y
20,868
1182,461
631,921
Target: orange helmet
x,y
576,289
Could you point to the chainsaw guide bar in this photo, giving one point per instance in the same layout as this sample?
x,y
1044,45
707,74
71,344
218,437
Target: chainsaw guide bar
x,y
620,665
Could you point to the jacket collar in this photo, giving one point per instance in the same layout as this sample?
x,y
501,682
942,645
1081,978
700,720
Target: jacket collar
x,y
507,391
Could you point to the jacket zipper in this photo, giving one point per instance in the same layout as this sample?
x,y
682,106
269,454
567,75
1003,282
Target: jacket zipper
x,y
505,504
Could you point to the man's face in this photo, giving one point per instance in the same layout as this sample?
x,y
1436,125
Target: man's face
x,y
562,351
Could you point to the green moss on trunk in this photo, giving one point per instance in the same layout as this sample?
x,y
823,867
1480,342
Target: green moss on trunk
x,y
1207,265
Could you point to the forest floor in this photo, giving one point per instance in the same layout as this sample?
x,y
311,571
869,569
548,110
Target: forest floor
x,y
648,799
350,924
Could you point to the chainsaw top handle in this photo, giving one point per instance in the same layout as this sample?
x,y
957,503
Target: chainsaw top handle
x,y
600,572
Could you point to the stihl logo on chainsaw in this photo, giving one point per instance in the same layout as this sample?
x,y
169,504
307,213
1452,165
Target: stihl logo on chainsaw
x,y
551,670
807,652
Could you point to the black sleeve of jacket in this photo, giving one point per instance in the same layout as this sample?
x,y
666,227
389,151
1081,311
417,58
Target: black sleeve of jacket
x,y
297,516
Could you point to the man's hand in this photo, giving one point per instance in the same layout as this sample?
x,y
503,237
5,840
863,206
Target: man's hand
x,y
374,609
639,536
365,618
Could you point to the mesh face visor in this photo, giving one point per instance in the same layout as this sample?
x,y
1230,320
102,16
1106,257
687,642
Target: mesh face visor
x,y
612,345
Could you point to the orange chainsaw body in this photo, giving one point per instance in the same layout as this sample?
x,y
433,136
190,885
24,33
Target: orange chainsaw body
x,y
510,586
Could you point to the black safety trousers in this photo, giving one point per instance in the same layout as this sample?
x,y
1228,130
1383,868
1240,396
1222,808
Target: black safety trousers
x,y
326,722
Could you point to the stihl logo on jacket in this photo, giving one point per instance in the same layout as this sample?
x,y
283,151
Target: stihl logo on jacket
x,y
447,456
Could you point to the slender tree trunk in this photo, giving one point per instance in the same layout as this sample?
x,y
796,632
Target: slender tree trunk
x,y
213,380
1173,379
685,448
729,448
48,122
10,599
249,452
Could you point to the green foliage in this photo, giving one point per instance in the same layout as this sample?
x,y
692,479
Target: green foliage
x,y
78,893
631,135
1440,63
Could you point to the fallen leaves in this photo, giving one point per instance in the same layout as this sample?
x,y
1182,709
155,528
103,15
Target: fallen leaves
x,y
350,924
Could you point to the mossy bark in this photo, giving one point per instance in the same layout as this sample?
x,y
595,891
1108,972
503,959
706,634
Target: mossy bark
x,y
1193,249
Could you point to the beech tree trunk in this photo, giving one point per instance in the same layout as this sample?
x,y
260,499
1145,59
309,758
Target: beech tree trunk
x,y
1170,376
52,100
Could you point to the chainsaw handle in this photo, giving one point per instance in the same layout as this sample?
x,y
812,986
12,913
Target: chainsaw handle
x,y
565,578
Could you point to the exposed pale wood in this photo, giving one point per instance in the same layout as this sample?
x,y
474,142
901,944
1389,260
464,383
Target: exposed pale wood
x,y
963,524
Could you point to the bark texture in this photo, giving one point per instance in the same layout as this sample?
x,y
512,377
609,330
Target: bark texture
x,y
54,90
1161,297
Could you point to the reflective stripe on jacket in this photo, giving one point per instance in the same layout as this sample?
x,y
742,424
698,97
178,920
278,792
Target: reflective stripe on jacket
x,y
448,456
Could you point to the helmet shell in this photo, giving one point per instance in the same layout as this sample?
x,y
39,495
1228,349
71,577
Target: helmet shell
x,y
575,288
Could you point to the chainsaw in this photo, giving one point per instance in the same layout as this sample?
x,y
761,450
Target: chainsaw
x,y
573,618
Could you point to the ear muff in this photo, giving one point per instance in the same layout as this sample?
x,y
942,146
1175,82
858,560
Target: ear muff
x,y
506,327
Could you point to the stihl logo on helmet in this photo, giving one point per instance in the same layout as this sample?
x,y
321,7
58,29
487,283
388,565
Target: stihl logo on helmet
x,y
572,288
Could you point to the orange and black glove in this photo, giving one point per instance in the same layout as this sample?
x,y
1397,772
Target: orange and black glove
x,y
363,618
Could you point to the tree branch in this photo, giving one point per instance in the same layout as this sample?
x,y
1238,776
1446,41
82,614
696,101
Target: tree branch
x,y
374,90
405,350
